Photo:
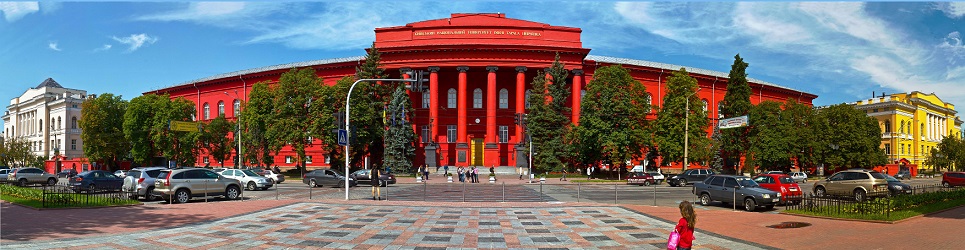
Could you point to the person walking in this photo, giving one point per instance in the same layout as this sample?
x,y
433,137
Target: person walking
x,y
277,170
685,227
425,172
462,174
563,178
446,169
475,174
376,184
492,171
520,172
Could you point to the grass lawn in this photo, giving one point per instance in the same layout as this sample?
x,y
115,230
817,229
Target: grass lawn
x,y
19,195
598,181
894,216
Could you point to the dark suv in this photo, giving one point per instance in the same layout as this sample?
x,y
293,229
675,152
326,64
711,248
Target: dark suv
x,y
903,174
689,177
729,188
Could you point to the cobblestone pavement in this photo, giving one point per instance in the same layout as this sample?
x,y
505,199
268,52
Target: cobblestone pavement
x,y
393,226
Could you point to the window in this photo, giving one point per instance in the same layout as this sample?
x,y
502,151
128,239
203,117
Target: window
x,y
207,110
887,126
237,107
528,93
425,134
477,98
58,123
73,122
308,159
73,144
328,159
452,99
717,181
720,110
705,105
902,148
288,159
40,125
503,134
220,108
730,182
887,148
206,160
649,103
503,99
425,99
451,133
73,106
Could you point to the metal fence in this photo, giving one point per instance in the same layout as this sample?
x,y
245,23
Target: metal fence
x,y
66,196
877,203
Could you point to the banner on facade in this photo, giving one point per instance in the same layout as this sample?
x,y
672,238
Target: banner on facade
x,y
184,126
735,122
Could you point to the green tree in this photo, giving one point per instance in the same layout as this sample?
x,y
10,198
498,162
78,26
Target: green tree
x,y
295,93
179,146
854,139
331,104
802,132
612,118
368,103
949,154
400,137
16,152
737,102
102,121
769,141
546,121
256,116
215,139
669,131
138,126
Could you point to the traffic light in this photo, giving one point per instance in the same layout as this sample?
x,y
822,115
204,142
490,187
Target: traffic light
x,y
516,119
419,77
523,119
340,119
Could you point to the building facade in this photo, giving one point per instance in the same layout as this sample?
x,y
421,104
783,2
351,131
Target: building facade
x,y
46,118
480,71
912,124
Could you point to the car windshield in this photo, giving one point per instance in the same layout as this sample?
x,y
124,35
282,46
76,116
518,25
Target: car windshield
x,y
652,172
748,183
786,180
878,175
891,179
249,173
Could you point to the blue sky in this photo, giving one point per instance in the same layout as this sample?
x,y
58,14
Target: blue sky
x,y
839,51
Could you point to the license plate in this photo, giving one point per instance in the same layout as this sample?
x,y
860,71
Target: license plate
x,y
793,189
776,200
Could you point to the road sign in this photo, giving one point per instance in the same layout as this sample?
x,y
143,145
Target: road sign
x,y
342,137
735,122
184,126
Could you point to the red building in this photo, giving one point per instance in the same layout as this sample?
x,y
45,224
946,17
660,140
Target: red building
x,y
481,66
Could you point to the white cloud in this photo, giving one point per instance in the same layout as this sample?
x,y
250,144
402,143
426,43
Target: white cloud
x,y
103,48
953,9
199,11
135,41
53,46
13,11
953,46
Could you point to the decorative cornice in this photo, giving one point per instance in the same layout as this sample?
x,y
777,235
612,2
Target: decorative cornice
x,y
932,105
462,69
433,69
520,69
492,68
577,72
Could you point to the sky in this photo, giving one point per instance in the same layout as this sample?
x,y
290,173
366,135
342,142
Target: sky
x,y
841,52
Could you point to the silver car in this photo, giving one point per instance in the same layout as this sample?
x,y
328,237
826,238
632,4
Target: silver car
x,y
799,177
3,174
250,179
180,185
24,176
141,182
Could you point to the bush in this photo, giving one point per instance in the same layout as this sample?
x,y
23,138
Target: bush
x,y
22,192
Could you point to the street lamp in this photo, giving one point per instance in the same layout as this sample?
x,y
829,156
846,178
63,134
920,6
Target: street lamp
x,y
687,127
241,161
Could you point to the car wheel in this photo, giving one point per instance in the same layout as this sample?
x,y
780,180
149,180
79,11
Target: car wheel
x,y
251,186
232,193
859,195
182,196
51,181
704,199
149,194
23,182
646,183
683,182
750,205
945,184
312,183
820,192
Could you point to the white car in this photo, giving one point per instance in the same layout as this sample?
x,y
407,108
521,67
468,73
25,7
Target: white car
x,y
799,177
657,176
276,177
248,178
120,173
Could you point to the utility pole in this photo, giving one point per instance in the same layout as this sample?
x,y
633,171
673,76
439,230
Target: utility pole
x,y
241,161
687,128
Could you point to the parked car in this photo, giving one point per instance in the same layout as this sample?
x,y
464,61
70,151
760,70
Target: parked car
x,y
783,184
362,176
95,180
326,177
250,179
258,171
640,178
3,175
799,177
276,177
856,183
120,173
903,174
952,179
658,177
67,173
180,185
729,188
896,187
24,176
775,172
140,182
689,176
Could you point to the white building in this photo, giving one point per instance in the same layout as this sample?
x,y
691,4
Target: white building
x,y
46,117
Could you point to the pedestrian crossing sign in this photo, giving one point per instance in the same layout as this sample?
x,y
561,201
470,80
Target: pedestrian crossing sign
x,y
342,137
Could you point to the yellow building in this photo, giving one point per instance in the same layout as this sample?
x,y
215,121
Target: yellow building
x,y
912,124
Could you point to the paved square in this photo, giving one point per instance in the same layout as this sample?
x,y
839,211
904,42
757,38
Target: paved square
x,y
320,225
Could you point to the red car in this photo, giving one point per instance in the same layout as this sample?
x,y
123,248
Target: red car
x,y
640,178
951,179
782,184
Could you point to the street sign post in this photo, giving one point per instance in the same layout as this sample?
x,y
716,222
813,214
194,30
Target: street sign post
x,y
735,122
184,126
342,137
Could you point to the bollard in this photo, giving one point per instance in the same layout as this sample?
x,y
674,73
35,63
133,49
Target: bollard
x,y
615,194
578,189
735,199
424,187
386,190
540,191
504,191
310,192
276,191
205,190
464,191
654,195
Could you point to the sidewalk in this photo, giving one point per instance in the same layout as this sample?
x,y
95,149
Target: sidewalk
x,y
508,179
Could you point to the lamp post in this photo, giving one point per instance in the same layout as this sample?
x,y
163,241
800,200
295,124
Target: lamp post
x,y
241,161
687,127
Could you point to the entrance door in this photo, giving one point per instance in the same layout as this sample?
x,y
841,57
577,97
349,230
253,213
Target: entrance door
x,y
477,152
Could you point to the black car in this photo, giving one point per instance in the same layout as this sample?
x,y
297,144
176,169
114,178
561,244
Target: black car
x,y
67,173
689,177
896,187
362,176
95,180
903,174
326,177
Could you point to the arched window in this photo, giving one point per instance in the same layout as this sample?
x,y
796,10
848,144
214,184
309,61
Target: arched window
x,y
237,107
220,108
527,97
73,122
503,99
705,105
207,110
452,99
649,103
720,110
58,123
477,98
425,99
887,126
40,125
